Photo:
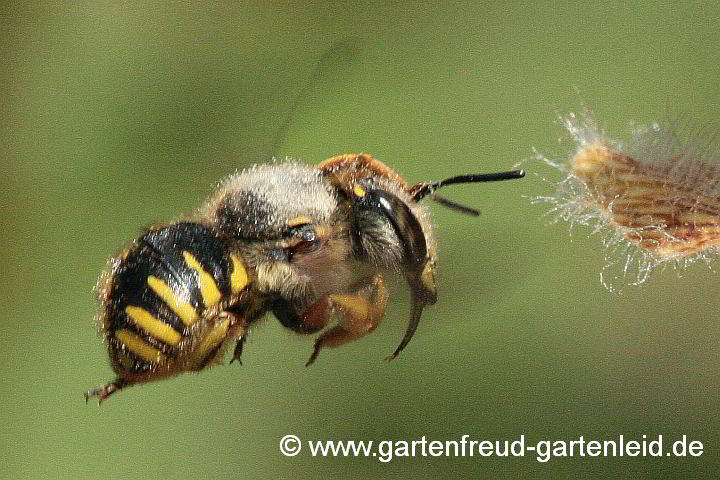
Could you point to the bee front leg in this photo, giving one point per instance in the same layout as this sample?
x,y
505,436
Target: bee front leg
x,y
361,313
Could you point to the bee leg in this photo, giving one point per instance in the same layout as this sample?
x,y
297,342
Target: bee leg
x,y
101,393
237,353
238,329
361,313
313,319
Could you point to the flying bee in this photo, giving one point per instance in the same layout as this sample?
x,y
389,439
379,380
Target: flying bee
x,y
301,242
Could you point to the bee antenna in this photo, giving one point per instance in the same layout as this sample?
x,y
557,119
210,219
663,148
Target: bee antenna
x,y
422,190
454,205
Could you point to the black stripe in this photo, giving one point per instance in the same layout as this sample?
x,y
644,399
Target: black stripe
x,y
130,287
199,240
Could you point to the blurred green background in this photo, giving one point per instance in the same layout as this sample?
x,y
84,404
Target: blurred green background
x,y
119,114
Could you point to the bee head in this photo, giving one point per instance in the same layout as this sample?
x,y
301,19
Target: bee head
x,y
390,229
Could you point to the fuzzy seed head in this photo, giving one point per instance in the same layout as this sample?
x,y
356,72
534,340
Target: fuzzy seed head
x,y
657,200
653,207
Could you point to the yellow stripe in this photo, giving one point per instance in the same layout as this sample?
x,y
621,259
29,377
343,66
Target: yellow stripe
x,y
182,309
210,293
156,328
213,338
139,347
301,220
239,277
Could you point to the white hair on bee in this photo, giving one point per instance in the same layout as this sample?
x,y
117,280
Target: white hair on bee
x,y
655,199
267,195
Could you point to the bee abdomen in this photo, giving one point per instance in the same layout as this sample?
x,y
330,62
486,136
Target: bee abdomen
x,y
160,289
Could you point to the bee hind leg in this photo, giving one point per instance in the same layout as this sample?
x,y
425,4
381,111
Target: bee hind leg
x,y
101,393
361,313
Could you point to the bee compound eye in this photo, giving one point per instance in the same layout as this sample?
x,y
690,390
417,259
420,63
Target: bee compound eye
x,y
279,254
308,235
307,245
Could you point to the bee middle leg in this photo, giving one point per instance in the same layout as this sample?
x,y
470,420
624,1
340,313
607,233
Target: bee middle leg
x,y
361,313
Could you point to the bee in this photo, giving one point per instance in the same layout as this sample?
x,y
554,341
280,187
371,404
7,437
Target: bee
x,y
301,242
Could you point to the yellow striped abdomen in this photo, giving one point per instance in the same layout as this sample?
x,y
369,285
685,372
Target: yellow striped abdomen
x,y
163,305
